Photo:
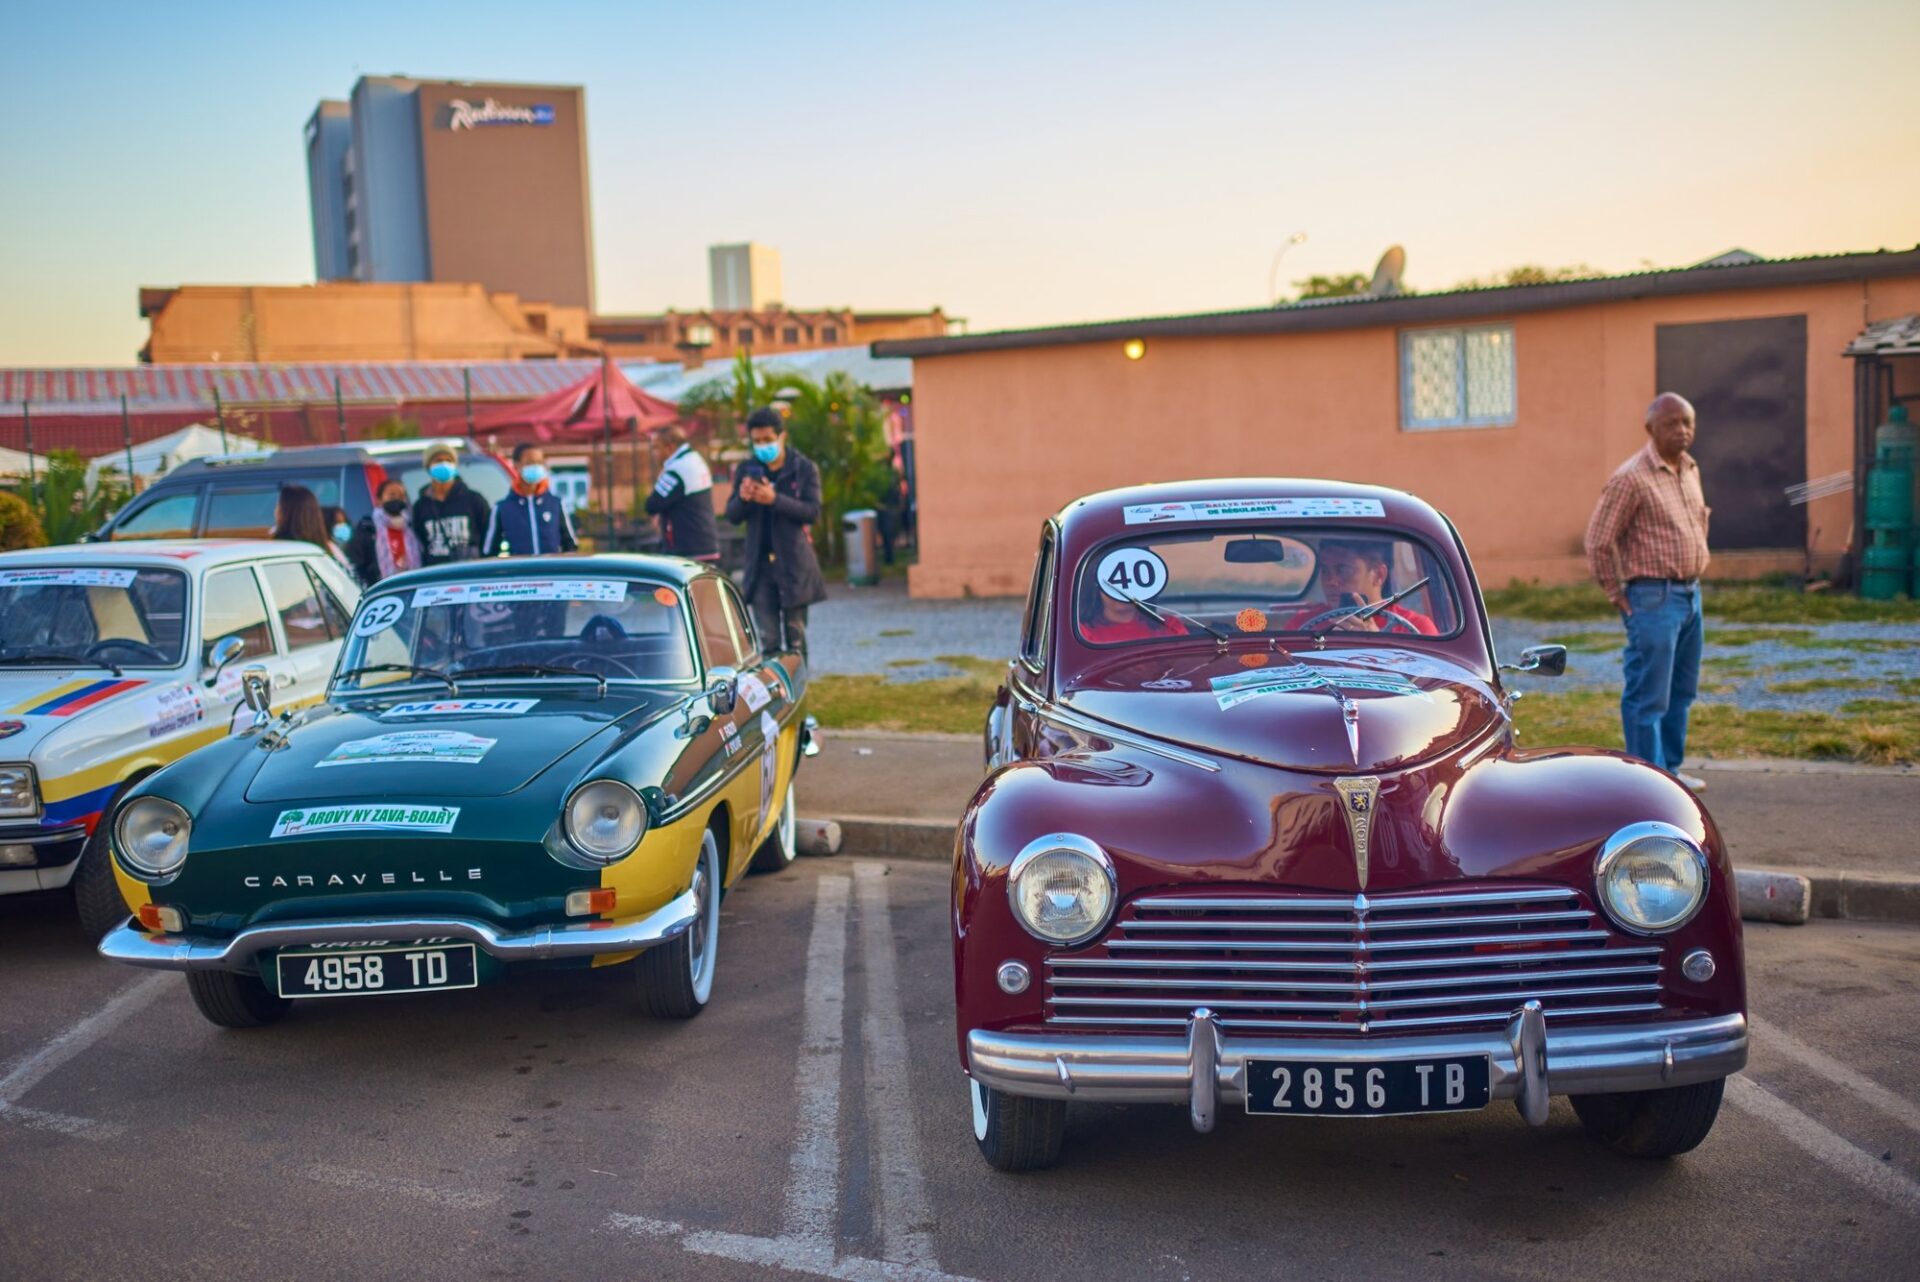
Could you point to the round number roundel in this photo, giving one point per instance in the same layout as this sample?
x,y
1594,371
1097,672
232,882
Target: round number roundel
x,y
1132,574
379,616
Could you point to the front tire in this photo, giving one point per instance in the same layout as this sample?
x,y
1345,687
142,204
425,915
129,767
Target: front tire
x,y
96,892
1017,1132
778,851
234,1000
1658,1123
676,978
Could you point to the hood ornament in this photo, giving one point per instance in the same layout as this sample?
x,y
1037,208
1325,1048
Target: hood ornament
x,y
1357,797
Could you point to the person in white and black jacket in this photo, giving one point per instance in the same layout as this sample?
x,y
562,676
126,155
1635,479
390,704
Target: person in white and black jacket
x,y
682,501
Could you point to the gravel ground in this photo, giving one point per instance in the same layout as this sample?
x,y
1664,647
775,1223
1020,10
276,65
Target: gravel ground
x,y
881,630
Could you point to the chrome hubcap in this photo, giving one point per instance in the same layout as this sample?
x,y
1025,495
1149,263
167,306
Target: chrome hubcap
x,y
698,936
787,827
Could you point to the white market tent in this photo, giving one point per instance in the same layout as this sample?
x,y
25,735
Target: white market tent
x,y
164,453
14,463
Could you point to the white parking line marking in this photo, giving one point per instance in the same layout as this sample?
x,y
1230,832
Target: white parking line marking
x,y
790,1255
813,1188
347,1177
1878,1177
1772,1038
29,1072
904,1209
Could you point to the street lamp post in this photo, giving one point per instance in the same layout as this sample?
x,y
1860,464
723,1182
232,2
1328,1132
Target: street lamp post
x,y
1273,273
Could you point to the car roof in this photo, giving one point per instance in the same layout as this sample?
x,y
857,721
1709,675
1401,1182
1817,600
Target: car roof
x,y
663,569
202,553
306,456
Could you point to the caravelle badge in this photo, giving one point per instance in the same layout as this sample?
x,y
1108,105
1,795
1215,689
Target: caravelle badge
x,y
1357,797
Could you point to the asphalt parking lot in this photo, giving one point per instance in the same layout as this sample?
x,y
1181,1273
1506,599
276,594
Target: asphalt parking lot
x,y
813,1123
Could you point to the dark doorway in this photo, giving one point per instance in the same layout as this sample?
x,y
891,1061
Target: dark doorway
x,y
1747,380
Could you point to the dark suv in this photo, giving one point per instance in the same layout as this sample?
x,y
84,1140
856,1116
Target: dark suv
x,y
232,495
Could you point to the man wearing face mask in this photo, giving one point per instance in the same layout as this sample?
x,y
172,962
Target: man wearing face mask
x,y
776,494
531,521
384,543
449,518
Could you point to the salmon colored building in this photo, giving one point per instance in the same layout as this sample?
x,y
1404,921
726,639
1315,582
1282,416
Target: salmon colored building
x,y
1505,408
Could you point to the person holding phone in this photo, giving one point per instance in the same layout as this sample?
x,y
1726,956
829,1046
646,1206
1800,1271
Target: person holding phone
x,y
776,495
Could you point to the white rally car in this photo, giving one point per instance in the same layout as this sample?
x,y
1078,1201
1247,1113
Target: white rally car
x,y
118,658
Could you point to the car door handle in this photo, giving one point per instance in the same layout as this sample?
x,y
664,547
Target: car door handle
x,y
282,679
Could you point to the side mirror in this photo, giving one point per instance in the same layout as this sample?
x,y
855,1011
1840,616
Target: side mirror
x,y
722,692
256,690
225,651
1540,661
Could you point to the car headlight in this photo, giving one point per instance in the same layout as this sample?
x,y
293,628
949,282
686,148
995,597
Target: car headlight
x,y
1652,877
605,820
151,834
1062,888
19,792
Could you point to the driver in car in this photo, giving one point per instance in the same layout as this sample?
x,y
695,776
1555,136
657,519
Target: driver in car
x,y
1353,573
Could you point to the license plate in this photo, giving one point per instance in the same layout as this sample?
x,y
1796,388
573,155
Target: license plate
x,y
357,972
1305,1087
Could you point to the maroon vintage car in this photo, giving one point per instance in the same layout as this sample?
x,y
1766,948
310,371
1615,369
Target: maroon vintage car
x,y
1257,834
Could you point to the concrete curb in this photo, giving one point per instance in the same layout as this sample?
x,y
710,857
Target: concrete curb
x,y
1787,895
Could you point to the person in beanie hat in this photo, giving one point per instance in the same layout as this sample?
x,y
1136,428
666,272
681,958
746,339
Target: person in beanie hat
x,y
682,500
776,494
449,518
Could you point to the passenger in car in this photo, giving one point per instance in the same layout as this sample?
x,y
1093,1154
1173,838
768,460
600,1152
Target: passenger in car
x,y
1105,619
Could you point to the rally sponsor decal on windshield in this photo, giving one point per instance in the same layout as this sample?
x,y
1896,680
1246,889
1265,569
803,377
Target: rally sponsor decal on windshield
x,y
453,747
295,823
1249,510
1231,691
461,708
67,577
521,590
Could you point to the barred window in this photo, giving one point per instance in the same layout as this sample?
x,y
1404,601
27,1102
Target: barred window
x,y
1457,377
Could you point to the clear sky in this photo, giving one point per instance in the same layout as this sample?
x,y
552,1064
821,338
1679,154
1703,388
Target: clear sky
x,y
1017,164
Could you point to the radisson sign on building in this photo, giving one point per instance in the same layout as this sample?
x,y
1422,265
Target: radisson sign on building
x,y
472,115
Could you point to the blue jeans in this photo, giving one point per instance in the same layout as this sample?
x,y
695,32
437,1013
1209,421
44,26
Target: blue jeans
x,y
1662,669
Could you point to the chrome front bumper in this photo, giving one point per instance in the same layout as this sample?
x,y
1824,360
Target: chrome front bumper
x,y
127,943
1206,1068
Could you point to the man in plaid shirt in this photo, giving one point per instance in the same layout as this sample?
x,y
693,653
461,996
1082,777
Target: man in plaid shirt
x,y
1647,544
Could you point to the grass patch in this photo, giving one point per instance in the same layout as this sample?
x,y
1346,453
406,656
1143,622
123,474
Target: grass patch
x,y
905,663
947,705
1878,731
1822,683
1762,602
1592,642
1753,636
1859,645
896,632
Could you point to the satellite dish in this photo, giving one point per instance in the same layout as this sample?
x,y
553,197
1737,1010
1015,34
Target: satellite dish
x,y
1386,275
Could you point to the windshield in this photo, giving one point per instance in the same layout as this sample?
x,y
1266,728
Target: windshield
x,y
1262,582
620,629
132,618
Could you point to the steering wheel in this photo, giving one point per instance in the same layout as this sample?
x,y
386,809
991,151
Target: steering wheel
x,y
585,662
1389,621
151,654
601,629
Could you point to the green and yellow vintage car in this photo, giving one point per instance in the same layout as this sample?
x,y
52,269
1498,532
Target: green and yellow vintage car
x,y
563,761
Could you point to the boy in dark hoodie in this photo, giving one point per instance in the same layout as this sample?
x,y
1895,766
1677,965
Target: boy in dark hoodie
x,y
449,519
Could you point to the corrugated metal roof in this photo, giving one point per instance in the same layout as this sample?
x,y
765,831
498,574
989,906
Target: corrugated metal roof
x,y
1416,309
83,390
1897,337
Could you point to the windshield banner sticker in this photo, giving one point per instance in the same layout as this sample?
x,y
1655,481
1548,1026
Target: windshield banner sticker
x,y
295,823
462,708
67,577
1232,691
1249,510
454,747
521,590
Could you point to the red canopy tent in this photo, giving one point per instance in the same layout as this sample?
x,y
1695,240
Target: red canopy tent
x,y
600,406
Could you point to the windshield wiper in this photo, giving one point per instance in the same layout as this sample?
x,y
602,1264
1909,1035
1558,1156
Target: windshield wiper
x,y
534,670
69,660
1153,612
408,668
1371,608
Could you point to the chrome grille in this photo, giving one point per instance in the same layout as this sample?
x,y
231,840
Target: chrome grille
x,y
1354,963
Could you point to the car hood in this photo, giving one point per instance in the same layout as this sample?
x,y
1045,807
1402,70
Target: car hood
x,y
440,749
1337,711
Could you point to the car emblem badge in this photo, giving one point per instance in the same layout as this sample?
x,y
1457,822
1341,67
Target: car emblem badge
x,y
1356,803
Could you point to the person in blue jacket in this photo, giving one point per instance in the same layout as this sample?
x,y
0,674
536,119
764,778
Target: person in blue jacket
x,y
531,521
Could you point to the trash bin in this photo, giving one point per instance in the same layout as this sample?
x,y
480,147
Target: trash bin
x,y
862,529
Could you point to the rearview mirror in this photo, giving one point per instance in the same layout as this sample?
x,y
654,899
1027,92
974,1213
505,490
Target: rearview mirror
x,y
1540,661
225,651
1257,552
